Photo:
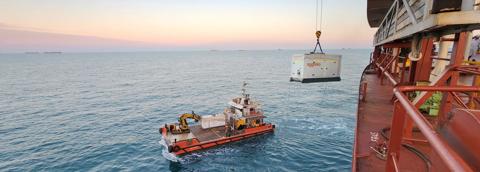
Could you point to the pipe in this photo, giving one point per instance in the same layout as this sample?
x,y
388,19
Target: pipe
x,y
469,71
459,100
386,73
394,162
390,77
452,160
440,65
438,88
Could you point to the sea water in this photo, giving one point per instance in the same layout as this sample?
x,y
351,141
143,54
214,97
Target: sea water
x,y
102,111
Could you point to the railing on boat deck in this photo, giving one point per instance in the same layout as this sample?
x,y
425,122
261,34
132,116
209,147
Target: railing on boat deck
x,y
385,66
388,66
407,17
396,77
404,106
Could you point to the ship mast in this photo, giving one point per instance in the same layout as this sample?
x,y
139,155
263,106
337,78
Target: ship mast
x,y
244,89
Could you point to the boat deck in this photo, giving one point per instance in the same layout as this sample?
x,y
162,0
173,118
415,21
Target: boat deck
x,y
374,114
207,134
199,138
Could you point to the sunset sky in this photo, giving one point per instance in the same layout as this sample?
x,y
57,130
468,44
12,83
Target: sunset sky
x,y
111,25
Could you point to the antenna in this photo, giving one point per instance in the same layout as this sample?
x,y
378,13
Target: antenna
x,y
244,88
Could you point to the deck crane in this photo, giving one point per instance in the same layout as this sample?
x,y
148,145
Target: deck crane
x,y
182,126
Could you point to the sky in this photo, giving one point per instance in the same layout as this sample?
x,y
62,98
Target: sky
x,y
136,25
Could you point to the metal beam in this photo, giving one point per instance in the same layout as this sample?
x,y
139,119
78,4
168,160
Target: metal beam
x,y
398,45
411,15
394,143
424,65
469,20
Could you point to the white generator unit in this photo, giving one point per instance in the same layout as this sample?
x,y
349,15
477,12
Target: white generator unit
x,y
211,121
316,67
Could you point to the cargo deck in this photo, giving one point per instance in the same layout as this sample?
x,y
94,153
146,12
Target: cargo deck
x,y
200,139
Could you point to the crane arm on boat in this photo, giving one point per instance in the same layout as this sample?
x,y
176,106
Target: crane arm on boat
x,y
183,124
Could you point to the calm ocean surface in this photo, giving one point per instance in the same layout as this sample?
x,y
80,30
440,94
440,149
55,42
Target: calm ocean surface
x,y
102,111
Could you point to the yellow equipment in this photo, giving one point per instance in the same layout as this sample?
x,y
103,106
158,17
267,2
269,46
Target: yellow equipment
x,y
471,62
255,123
240,123
318,34
183,125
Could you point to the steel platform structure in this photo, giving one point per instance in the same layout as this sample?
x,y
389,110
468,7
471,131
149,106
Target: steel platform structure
x,y
408,18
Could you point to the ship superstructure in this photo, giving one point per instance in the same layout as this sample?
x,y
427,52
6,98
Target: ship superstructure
x,y
419,96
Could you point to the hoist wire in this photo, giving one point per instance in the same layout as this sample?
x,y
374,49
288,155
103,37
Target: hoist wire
x,y
316,16
318,25
321,14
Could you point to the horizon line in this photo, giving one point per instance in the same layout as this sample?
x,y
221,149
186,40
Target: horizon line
x,y
179,50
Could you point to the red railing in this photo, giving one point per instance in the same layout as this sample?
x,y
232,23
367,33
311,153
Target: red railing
x,y
406,113
386,62
405,107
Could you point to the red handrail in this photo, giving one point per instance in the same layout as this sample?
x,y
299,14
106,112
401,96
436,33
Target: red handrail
x,y
387,74
452,160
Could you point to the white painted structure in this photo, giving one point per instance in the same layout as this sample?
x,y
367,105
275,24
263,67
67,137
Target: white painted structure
x,y
212,121
407,18
316,67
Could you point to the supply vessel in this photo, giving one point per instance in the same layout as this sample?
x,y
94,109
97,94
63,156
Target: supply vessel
x,y
242,119
418,106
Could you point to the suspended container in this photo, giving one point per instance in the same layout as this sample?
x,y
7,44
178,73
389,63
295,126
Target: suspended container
x,y
316,67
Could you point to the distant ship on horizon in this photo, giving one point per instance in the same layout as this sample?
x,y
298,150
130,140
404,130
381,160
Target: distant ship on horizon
x,y
45,52
52,52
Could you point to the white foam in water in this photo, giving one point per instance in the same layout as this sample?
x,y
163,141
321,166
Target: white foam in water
x,y
191,157
167,155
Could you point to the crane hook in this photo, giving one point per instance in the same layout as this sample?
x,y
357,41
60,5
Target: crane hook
x,y
318,34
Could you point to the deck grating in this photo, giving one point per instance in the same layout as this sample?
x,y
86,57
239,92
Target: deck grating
x,y
207,134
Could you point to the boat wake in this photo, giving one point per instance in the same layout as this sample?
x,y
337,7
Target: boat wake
x,y
193,157
167,155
